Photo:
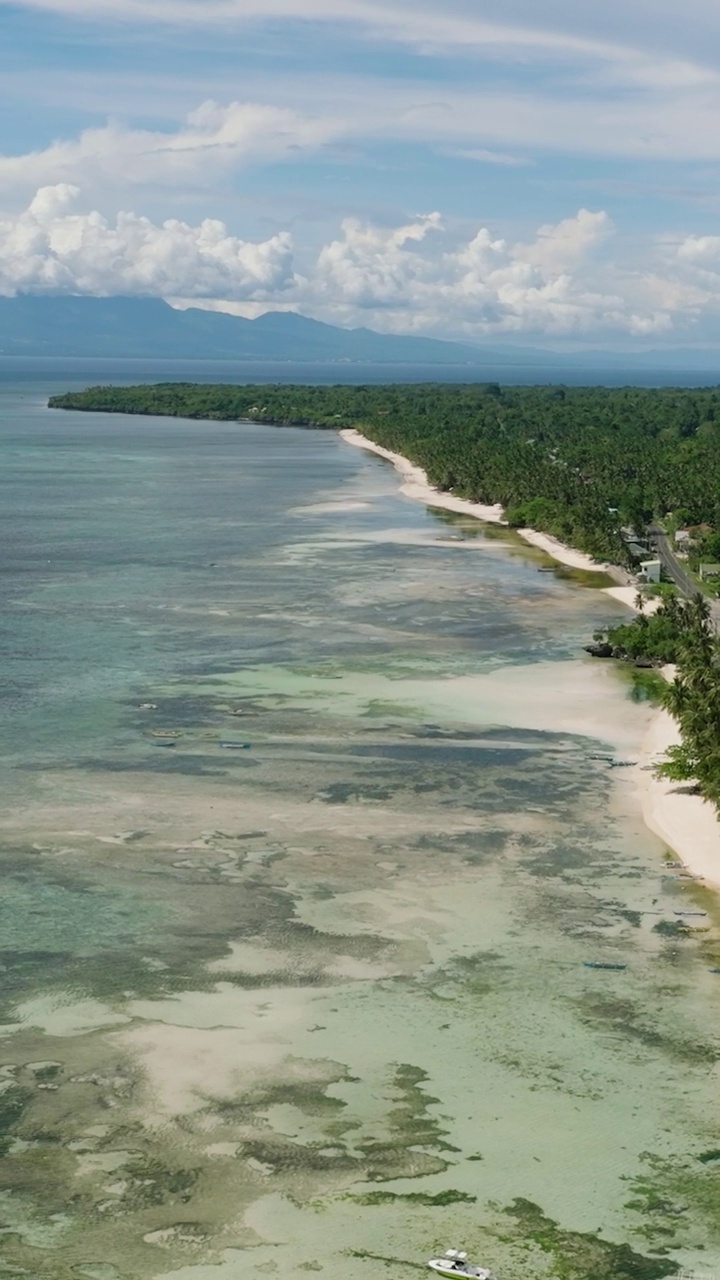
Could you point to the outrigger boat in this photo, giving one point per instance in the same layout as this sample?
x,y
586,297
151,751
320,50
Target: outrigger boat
x,y
455,1263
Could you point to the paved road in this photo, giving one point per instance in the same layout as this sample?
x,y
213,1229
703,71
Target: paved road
x,y
672,566
677,571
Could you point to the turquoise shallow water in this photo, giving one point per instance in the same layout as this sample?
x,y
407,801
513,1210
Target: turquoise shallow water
x,y
320,1001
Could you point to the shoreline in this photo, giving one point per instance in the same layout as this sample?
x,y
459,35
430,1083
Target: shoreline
x,y
686,823
415,484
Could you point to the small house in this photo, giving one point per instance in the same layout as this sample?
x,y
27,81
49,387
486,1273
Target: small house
x,y
649,571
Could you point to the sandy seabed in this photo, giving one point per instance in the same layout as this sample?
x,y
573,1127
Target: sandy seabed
x,y
687,823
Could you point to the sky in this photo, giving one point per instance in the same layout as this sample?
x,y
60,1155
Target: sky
x,y
499,171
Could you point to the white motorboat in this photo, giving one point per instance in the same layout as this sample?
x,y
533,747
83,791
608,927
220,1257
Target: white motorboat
x,y
455,1263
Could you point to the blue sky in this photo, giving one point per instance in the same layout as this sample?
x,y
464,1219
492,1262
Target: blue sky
x,y
466,168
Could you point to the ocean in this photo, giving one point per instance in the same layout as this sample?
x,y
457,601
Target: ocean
x,y
309,830
66,372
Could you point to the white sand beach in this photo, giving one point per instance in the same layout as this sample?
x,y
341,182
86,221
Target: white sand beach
x,y
687,823
628,595
415,484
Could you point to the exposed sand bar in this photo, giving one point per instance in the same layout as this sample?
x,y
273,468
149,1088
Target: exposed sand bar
x,y
415,484
687,823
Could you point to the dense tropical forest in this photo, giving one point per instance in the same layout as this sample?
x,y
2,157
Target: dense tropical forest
x,y
682,632
579,463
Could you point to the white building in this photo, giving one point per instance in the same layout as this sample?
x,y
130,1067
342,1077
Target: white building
x,y
649,571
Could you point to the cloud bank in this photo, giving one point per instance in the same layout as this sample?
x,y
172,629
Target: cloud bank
x,y
421,277
49,248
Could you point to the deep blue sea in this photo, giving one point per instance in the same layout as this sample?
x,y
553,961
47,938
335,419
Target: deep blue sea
x,y
65,372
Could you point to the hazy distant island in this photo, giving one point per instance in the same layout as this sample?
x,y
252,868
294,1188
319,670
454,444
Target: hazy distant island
x,y
127,328
149,328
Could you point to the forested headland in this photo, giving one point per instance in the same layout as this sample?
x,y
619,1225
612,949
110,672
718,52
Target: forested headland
x,y
579,463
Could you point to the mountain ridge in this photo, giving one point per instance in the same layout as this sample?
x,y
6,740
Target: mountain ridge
x,y
70,325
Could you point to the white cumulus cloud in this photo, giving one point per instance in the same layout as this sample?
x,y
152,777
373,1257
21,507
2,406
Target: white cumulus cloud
x,y
409,279
701,251
50,248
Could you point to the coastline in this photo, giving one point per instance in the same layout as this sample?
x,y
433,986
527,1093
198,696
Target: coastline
x,y
415,484
687,823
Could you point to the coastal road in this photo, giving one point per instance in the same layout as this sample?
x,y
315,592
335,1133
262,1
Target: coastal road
x,y
670,563
677,571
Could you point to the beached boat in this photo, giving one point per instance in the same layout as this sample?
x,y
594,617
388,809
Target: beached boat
x,y
604,964
455,1263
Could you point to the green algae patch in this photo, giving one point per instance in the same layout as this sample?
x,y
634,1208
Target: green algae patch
x,y
676,1193
411,1123
424,1198
594,578
671,929
283,1157
478,974
581,1256
13,1102
310,1096
153,1183
622,1017
384,708
381,1257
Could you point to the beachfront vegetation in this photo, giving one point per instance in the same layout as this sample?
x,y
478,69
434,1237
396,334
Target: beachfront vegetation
x,y
694,700
654,640
682,632
579,463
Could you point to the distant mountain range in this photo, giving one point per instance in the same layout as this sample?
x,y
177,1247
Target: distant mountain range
x,y
148,328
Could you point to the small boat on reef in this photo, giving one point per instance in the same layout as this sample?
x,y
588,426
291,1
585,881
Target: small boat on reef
x,y
455,1263
604,964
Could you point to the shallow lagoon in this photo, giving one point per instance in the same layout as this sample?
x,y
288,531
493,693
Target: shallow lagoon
x,y
320,1001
